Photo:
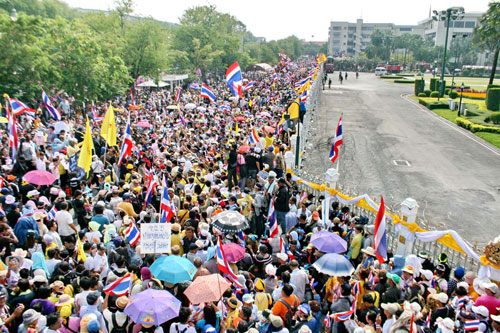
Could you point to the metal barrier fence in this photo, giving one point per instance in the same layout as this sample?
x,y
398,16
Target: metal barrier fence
x,y
433,249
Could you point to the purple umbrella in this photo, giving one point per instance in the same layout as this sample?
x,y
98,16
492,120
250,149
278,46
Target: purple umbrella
x,y
143,124
153,307
233,252
330,242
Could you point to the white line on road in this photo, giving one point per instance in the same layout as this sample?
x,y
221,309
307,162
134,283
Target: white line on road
x,y
449,124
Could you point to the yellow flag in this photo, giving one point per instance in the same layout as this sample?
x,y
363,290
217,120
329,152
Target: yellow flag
x,y
85,158
293,109
81,253
250,103
236,129
108,128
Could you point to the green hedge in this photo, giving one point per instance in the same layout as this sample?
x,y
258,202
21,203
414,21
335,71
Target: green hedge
x,y
469,125
422,95
404,81
493,99
419,86
435,94
434,104
427,92
494,117
453,94
434,85
391,77
492,86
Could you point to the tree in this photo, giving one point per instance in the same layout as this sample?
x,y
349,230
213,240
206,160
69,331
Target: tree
x,y
487,34
124,8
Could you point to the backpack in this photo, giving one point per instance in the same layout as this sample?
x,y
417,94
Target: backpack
x,y
289,322
116,328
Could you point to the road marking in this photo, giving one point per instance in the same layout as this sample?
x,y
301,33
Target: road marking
x,y
451,125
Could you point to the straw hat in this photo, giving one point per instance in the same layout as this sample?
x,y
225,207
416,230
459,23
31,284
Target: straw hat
x,y
369,251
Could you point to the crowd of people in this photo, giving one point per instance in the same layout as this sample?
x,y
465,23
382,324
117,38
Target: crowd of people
x,y
210,165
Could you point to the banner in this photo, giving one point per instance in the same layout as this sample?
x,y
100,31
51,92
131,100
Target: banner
x,y
155,238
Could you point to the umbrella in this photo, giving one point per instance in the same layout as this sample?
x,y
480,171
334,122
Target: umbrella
x,y
326,241
173,269
334,265
39,177
201,108
153,306
59,126
269,129
244,149
3,120
190,106
265,114
229,221
233,252
172,107
143,124
240,118
207,288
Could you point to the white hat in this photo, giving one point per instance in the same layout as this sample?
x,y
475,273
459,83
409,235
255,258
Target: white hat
x,y
442,298
493,287
247,298
427,274
33,193
272,174
463,284
270,270
282,256
9,199
446,325
62,194
481,310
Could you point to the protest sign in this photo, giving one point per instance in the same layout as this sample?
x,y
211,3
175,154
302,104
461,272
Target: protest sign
x,y
155,238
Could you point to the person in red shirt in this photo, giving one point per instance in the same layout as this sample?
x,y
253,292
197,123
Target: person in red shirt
x,y
488,299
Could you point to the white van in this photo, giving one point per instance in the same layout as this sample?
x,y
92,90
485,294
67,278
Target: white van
x,y
380,71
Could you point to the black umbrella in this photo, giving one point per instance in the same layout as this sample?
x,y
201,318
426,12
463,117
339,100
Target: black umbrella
x,y
229,221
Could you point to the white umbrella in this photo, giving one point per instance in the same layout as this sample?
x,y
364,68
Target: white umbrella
x,y
190,106
201,108
59,126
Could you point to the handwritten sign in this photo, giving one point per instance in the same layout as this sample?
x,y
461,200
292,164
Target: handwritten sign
x,y
155,238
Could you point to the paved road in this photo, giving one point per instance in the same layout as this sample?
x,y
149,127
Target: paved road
x,y
453,175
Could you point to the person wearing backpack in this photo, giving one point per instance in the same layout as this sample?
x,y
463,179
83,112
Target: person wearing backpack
x,y
118,321
286,306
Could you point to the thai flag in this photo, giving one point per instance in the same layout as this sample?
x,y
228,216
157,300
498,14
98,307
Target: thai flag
x,y
51,215
207,93
2,211
132,234
19,107
149,193
176,124
462,302
234,79
183,120
346,315
337,141
120,287
224,107
48,104
223,265
428,321
249,85
166,206
287,77
178,95
13,139
2,181
472,324
284,249
19,126
132,96
275,77
371,279
95,116
271,218
303,97
280,129
327,321
356,288
433,283
241,239
380,238
254,137
127,144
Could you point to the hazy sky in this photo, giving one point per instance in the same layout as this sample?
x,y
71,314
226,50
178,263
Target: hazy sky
x,y
275,19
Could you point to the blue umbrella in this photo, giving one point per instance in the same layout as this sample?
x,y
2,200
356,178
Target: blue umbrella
x,y
334,265
173,269
330,242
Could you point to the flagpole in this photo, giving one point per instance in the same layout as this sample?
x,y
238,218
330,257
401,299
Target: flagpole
x,y
106,147
338,159
7,113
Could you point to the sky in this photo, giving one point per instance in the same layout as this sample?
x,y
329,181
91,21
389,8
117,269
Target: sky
x,y
309,20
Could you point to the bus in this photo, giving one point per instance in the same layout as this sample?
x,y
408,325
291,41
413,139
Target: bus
x,y
329,64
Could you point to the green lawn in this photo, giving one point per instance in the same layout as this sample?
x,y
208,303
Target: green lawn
x,y
476,83
492,138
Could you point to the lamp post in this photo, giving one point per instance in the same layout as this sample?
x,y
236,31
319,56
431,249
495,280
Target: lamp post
x,y
451,14
456,56
461,94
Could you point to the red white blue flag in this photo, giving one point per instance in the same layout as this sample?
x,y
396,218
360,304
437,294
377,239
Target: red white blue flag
x,y
149,193
48,104
337,141
178,95
132,234
273,223
51,215
234,79
166,205
132,96
11,127
19,107
380,238
120,287
254,137
207,93
127,144
472,324
346,315
223,265
96,118
249,85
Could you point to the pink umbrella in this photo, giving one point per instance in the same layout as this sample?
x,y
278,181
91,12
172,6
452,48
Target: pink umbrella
x,y
233,252
244,149
39,177
265,114
143,124
269,129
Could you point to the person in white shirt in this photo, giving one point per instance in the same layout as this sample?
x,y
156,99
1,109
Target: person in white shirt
x,y
389,310
54,323
119,317
89,261
64,221
101,261
299,279
182,325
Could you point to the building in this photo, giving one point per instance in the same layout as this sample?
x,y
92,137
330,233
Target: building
x,y
351,39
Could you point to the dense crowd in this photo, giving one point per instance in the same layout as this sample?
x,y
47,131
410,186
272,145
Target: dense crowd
x,y
209,167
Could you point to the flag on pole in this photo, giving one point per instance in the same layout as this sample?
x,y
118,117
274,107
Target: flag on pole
x,y
254,137
48,104
275,77
19,107
178,95
119,287
127,144
85,158
149,194
183,120
96,118
207,93
81,257
273,223
51,215
132,234
223,265
11,126
132,96
303,97
166,205
234,79
284,249
380,238
249,85
327,321
108,127
337,141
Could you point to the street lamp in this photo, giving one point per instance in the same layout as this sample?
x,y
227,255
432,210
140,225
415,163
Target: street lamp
x,y
451,14
456,56
461,94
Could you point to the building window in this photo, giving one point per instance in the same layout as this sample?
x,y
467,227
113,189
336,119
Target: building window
x,y
405,29
470,24
459,24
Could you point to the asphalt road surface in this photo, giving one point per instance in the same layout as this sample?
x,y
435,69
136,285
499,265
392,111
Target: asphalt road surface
x,y
453,175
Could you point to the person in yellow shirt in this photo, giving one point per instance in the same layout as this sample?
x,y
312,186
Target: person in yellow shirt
x,y
233,306
355,247
269,139
126,206
263,300
175,238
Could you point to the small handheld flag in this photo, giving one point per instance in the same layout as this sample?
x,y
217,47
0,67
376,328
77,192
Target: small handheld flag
x,y
120,287
337,141
380,238
178,95
249,85
207,93
234,79
127,144
132,234
48,104
273,223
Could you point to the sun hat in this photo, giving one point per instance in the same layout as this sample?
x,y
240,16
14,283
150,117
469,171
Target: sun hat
x,y
442,298
495,318
304,329
282,256
260,285
233,302
39,278
369,251
270,270
30,316
427,274
57,285
32,193
276,321
121,302
9,199
63,300
463,284
247,298
481,310
446,325
305,309
394,278
408,269
392,308
20,253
